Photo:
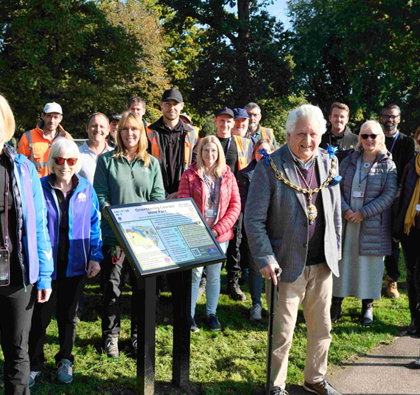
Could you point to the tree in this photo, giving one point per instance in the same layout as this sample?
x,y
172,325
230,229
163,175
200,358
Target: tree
x,y
240,57
66,51
140,20
361,52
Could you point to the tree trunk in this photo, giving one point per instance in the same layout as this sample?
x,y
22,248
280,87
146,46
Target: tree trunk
x,y
242,48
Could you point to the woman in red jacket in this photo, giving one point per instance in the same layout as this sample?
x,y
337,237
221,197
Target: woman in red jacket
x,y
214,189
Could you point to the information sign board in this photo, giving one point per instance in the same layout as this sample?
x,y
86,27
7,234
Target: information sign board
x,y
164,236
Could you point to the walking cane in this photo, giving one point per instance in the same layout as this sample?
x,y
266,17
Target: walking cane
x,y
270,332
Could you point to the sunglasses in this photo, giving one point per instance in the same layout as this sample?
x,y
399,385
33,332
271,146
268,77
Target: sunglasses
x,y
60,161
366,136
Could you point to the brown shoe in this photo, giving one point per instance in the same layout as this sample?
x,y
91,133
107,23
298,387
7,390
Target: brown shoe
x,y
391,288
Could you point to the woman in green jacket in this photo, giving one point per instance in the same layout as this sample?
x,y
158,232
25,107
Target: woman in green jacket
x,y
127,175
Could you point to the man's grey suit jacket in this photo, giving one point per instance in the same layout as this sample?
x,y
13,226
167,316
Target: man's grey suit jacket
x,y
276,220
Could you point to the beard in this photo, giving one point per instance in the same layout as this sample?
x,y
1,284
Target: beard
x,y
389,127
252,126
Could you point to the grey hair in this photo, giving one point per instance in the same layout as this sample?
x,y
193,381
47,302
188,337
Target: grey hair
x,y
251,106
391,107
69,147
375,127
309,112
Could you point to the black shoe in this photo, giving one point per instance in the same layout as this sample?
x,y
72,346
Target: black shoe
x,y
194,328
278,391
236,293
413,329
214,324
336,311
322,388
366,318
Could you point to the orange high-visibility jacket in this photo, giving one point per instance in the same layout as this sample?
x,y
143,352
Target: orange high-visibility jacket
x,y
242,147
190,140
36,148
267,133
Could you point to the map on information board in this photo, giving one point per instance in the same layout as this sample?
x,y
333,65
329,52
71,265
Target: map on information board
x,y
165,235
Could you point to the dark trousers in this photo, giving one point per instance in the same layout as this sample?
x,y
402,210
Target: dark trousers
x,y
233,254
15,323
112,282
391,261
412,263
66,292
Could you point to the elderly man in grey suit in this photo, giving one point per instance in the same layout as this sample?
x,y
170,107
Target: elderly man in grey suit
x,y
293,224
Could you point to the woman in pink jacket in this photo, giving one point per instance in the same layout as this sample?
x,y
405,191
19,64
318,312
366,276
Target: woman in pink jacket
x,y
214,189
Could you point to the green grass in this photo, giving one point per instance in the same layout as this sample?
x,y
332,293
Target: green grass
x,y
229,362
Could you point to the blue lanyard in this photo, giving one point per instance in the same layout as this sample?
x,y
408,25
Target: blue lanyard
x,y
395,140
228,145
212,194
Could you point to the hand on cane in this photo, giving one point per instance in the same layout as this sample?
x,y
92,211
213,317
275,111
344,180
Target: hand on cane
x,y
271,271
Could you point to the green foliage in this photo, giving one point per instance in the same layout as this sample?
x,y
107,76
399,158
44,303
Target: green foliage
x,y
209,127
276,112
236,58
67,51
140,19
364,53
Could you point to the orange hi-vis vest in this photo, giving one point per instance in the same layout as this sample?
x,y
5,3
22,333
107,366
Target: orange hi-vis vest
x,y
267,133
242,147
197,132
190,140
37,148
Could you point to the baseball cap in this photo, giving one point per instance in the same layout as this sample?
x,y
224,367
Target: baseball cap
x,y
223,111
184,114
114,117
52,107
240,113
172,94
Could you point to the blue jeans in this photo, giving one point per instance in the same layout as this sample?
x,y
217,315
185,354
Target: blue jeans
x,y
212,287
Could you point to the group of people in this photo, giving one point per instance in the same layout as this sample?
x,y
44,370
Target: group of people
x,y
315,223
320,230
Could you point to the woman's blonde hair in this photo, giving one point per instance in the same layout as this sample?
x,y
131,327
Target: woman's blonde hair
x,y
258,144
417,133
67,146
143,143
8,119
377,129
219,167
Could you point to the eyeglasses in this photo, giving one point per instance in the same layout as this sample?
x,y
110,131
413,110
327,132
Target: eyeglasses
x,y
366,136
60,161
391,117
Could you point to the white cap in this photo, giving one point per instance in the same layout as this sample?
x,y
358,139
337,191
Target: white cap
x,y
184,114
52,107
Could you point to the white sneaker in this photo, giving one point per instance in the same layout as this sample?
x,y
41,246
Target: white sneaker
x,y
255,314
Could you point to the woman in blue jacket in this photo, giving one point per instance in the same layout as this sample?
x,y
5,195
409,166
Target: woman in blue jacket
x,y
73,225
26,261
